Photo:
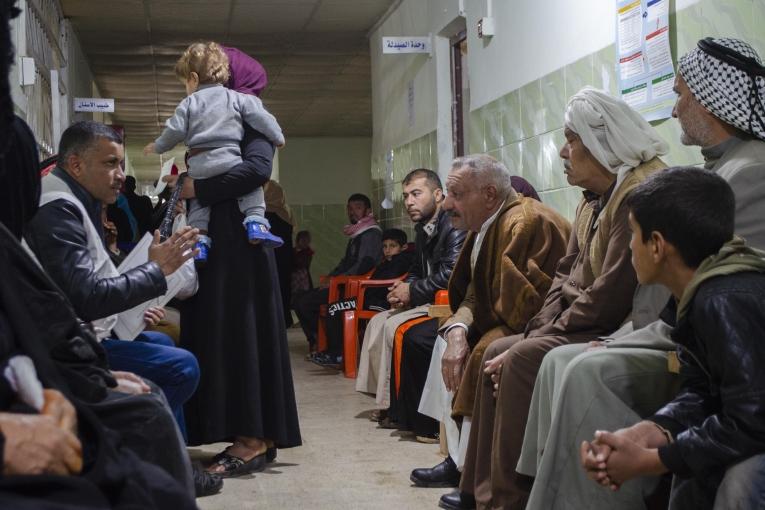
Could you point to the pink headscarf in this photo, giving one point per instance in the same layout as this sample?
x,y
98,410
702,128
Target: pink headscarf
x,y
247,75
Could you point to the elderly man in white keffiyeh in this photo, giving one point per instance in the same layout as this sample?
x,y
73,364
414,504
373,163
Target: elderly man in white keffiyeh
x,y
614,382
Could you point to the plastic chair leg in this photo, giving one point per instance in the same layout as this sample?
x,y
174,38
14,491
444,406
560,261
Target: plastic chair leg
x,y
350,344
321,333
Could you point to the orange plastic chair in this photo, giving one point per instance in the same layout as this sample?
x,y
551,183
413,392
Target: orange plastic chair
x,y
336,283
351,320
442,298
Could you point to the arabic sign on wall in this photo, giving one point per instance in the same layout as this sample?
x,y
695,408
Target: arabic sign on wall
x,y
93,104
406,45
644,62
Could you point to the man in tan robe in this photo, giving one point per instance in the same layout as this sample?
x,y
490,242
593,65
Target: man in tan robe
x,y
609,150
500,279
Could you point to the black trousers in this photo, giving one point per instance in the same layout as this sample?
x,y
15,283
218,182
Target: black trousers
x,y
283,255
146,426
334,324
416,352
307,309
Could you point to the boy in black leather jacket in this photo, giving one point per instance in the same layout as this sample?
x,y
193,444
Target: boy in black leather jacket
x,y
712,435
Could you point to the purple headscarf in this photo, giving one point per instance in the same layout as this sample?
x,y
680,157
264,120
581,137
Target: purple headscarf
x,y
524,187
246,74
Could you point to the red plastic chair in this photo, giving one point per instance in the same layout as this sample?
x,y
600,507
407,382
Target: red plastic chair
x,y
351,320
336,283
441,307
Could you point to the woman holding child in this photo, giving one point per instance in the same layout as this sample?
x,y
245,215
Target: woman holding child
x,y
235,323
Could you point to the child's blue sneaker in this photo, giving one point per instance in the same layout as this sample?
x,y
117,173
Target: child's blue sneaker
x,y
258,233
204,244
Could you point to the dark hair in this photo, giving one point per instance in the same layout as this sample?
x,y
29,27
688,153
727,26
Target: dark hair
x,y
301,234
434,182
395,234
130,183
83,135
693,209
360,197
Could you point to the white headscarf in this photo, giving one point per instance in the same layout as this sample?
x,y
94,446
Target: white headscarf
x,y
616,135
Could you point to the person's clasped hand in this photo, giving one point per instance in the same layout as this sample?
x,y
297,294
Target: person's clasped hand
x,y
177,249
493,369
46,443
128,382
398,295
60,409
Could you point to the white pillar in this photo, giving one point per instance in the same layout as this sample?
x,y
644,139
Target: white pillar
x,y
444,141
55,106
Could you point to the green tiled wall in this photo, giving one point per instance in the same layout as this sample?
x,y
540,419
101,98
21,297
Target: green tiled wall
x,y
325,224
419,153
325,221
524,128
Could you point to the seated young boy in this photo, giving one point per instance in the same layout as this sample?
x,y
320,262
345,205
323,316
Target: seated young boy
x,y
396,262
711,437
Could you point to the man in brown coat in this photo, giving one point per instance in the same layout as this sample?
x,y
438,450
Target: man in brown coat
x,y
499,282
609,150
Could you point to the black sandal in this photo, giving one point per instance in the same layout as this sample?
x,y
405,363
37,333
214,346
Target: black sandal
x,y
378,415
236,466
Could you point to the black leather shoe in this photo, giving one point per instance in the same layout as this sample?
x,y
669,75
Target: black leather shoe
x,y
457,501
442,475
205,483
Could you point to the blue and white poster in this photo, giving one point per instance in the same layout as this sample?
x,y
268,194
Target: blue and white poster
x,y
645,69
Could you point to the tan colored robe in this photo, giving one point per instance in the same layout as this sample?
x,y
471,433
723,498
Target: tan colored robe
x,y
515,264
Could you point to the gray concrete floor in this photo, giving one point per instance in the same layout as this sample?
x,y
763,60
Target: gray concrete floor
x,y
346,462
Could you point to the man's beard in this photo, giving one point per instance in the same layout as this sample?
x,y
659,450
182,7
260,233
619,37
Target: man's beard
x,y
694,130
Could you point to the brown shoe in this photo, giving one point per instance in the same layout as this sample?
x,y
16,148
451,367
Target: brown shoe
x,y
378,415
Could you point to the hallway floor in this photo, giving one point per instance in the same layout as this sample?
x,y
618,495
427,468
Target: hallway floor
x,y
345,462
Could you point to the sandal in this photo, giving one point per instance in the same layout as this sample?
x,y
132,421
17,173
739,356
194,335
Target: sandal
x,y
236,466
378,415
387,423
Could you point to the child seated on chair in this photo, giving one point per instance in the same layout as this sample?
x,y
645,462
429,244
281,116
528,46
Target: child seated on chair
x,y
396,262
711,437
210,122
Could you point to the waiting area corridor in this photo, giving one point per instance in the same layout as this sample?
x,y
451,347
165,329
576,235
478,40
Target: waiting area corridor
x,y
382,254
346,461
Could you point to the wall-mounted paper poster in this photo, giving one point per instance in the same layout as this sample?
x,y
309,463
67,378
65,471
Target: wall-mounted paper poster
x,y
645,68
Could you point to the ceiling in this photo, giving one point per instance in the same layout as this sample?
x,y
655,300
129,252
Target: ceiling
x,y
316,54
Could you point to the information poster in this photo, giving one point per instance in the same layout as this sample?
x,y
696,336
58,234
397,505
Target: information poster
x,y
645,69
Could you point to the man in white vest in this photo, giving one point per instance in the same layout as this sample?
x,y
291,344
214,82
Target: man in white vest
x,y
67,237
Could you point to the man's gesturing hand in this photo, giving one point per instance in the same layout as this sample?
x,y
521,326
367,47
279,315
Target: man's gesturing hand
x,y
171,254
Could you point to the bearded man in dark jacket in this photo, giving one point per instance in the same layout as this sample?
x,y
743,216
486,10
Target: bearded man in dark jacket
x,y
437,245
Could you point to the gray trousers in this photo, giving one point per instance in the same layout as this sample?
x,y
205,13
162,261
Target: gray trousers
x,y
577,393
212,163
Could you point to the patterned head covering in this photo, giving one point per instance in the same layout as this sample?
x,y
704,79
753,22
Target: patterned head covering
x,y
616,135
730,93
